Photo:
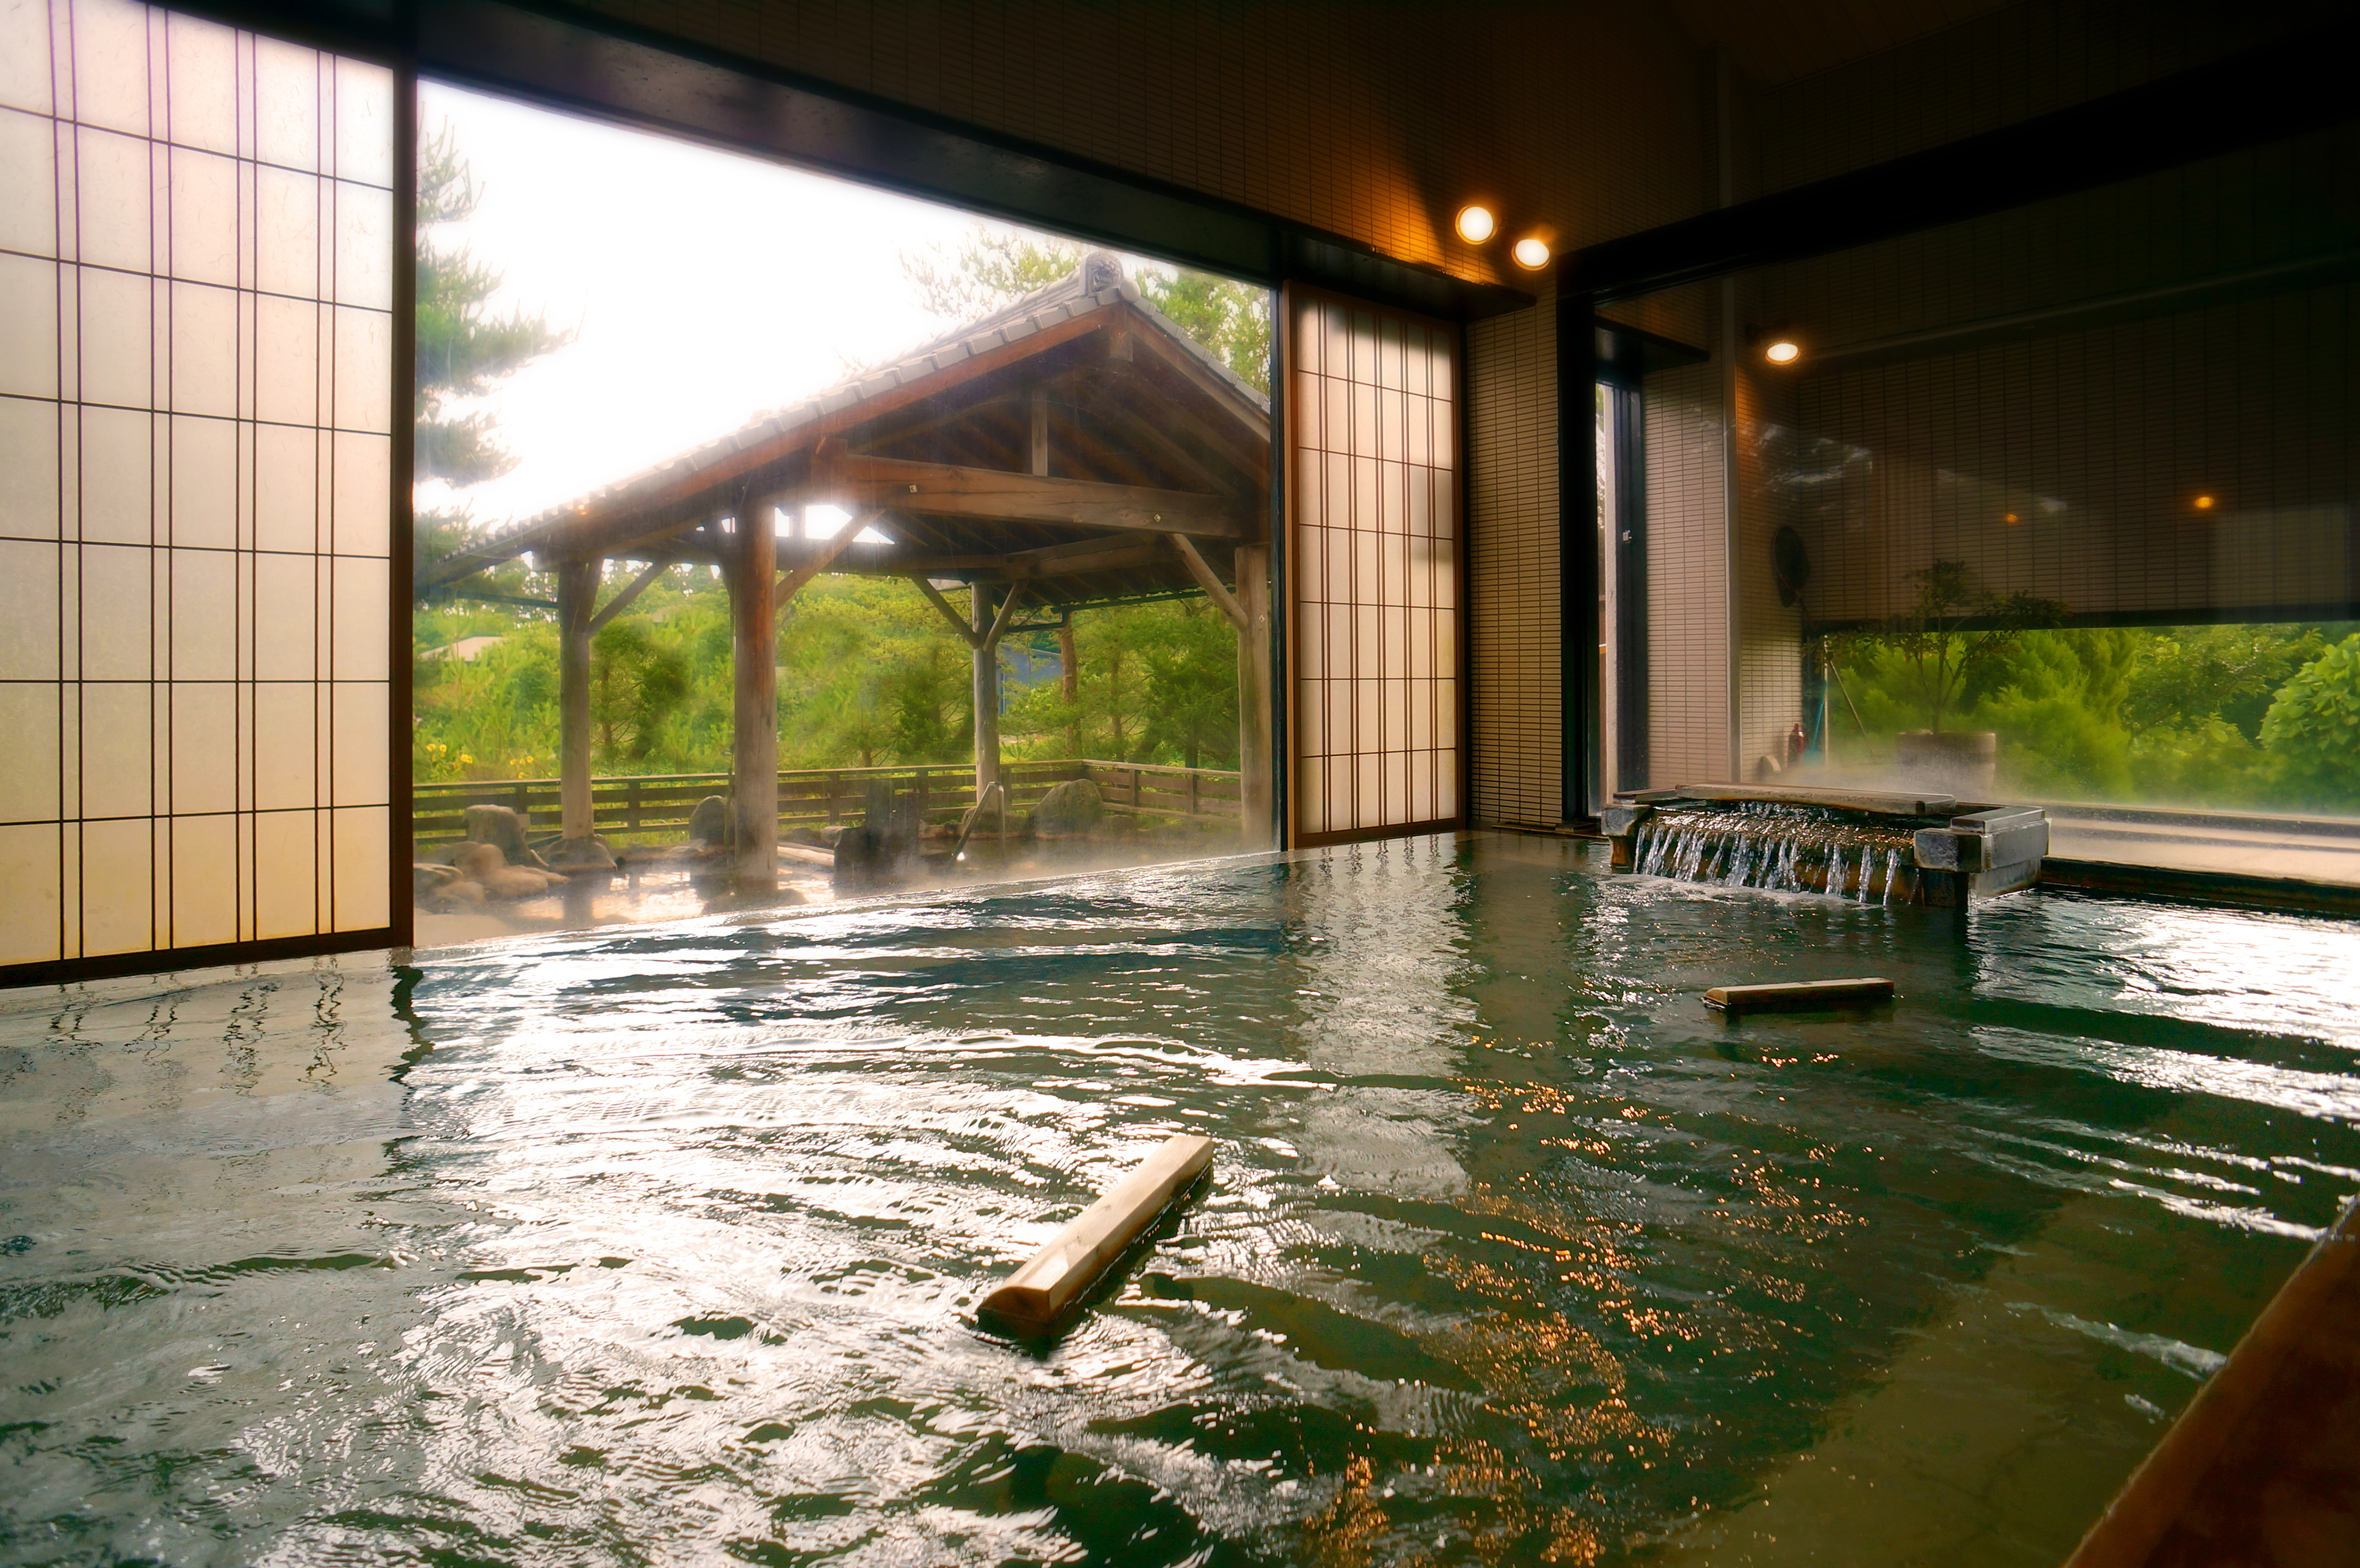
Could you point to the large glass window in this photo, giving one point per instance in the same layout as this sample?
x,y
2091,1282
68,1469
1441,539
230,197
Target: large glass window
x,y
788,563
196,297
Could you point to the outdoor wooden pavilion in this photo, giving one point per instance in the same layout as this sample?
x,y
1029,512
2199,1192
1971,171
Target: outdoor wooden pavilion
x,y
1076,448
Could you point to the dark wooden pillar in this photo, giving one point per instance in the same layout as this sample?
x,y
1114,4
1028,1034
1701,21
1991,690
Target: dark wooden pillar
x,y
577,589
987,687
1069,667
1258,823
752,569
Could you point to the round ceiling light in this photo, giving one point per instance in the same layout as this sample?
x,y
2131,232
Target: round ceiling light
x,y
1786,351
1532,253
1476,224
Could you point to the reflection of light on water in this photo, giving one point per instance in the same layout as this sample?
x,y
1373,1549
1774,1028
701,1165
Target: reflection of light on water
x,y
2279,973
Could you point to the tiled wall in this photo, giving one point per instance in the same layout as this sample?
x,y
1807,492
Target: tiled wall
x,y
1769,634
2012,64
1370,121
2067,455
196,272
1514,656
2186,464
1688,578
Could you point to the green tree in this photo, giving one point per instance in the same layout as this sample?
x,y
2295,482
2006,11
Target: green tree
x,y
990,268
1230,317
462,347
1192,675
1958,636
930,701
2313,728
995,269
2191,673
637,682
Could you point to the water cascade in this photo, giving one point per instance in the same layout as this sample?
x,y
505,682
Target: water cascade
x,y
1802,849
1867,848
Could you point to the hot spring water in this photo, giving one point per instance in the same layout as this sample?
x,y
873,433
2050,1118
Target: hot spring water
x,y
663,1243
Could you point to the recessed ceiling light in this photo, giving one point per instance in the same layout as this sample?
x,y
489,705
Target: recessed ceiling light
x,y
1476,224
1532,253
1786,351
2204,503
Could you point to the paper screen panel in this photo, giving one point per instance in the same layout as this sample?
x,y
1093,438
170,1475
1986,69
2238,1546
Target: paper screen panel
x,y
1374,557
195,304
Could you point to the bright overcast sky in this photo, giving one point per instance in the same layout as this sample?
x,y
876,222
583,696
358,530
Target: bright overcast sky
x,y
705,287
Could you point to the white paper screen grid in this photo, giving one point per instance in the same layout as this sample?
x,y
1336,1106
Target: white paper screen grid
x,y
196,275
1375,569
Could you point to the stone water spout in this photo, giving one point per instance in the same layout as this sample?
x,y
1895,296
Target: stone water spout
x,y
1868,846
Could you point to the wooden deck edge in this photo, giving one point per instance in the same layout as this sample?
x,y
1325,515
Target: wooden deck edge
x,y
2229,888
2258,1413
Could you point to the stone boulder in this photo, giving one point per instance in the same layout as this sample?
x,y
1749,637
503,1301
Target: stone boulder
x,y
459,896
519,882
710,823
503,829
483,866
476,861
1074,807
591,853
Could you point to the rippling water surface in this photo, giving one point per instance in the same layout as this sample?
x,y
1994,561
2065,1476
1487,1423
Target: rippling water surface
x,y
662,1246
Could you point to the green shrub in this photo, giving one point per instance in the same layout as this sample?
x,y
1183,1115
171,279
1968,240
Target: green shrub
x,y
2313,728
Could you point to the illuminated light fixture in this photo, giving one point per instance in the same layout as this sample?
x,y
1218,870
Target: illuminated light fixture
x,y
2204,503
1786,351
2009,518
1476,224
1532,253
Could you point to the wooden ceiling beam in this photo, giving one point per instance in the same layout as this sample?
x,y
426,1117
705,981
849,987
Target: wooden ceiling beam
x,y
992,494
1119,554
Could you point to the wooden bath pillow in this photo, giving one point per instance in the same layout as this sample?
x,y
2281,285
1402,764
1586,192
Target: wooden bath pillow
x,y
1037,1295
1798,995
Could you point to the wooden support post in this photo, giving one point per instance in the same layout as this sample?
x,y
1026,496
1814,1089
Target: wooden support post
x,y
1069,670
577,587
987,625
1039,409
1258,823
1221,597
752,569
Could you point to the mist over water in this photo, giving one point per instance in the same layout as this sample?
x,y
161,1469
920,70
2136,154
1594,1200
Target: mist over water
x,y
662,1242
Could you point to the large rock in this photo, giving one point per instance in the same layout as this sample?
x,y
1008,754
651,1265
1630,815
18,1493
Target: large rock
x,y
477,860
983,821
1074,807
710,823
591,853
519,882
502,828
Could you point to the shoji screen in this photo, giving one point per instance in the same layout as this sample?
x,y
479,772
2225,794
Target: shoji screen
x,y
1374,565
196,337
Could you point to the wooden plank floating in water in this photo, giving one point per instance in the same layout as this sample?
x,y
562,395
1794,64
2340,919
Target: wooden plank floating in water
x,y
1799,995
1040,1293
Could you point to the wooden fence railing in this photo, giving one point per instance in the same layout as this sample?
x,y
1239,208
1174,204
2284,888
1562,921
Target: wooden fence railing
x,y
660,805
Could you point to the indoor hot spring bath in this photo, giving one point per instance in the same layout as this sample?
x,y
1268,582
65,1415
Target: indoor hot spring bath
x,y
663,1245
